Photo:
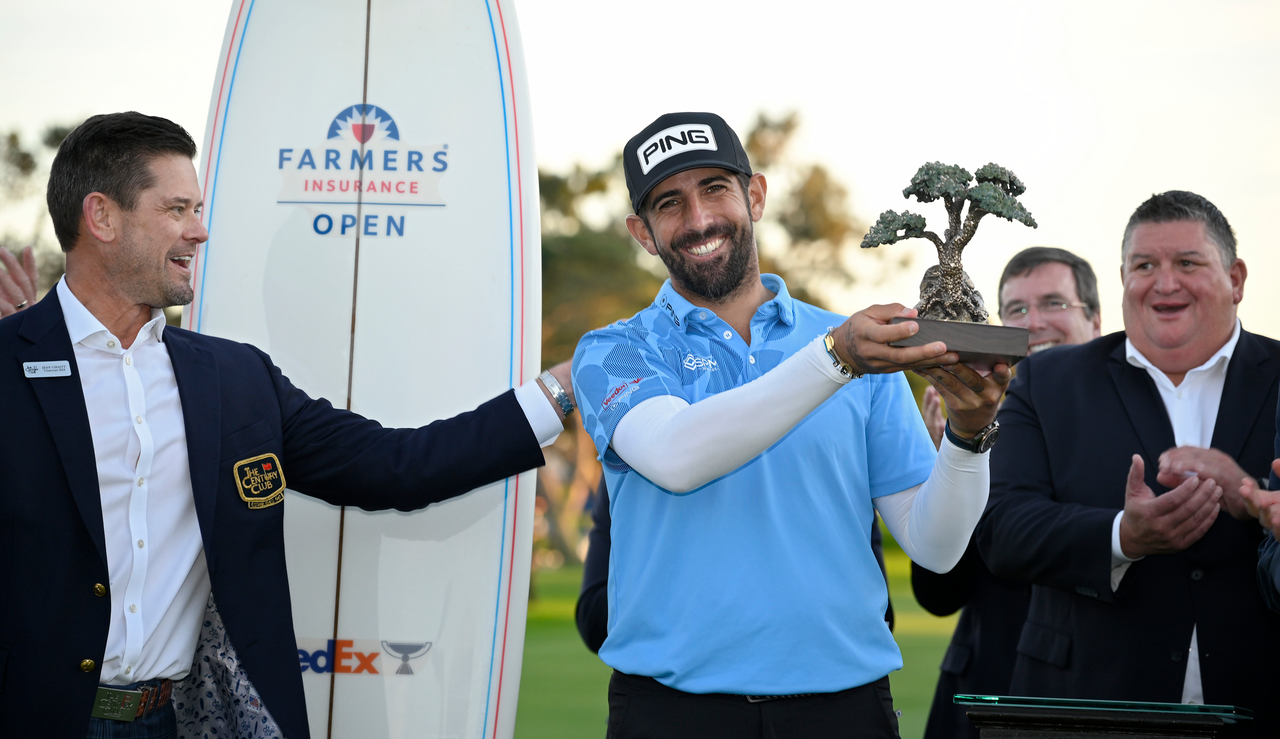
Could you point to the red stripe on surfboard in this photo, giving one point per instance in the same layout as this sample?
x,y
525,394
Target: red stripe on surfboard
x,y
515,124
208,167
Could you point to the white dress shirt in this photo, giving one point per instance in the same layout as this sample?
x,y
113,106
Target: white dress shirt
x,y
155,557
1192,406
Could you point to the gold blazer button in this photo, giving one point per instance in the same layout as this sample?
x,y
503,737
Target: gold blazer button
x,y
99,589
87,665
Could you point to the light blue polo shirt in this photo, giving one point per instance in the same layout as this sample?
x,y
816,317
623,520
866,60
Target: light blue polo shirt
x,y
761,582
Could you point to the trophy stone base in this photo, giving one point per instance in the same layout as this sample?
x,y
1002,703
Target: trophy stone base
x,y
980,345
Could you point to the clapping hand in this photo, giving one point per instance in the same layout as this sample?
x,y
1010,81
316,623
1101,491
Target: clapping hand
x,y
17,282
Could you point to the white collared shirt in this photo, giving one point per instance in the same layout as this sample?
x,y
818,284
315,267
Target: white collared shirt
x,y
1192,406
155,556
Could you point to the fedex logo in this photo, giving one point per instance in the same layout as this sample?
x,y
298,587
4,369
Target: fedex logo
x,y
360,656
338,656
675,140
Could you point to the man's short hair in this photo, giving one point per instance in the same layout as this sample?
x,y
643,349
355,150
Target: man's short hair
x,y
1180,205
1028,259
110,154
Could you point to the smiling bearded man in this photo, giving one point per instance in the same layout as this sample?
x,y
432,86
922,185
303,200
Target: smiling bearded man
x,y
1121,456
746,455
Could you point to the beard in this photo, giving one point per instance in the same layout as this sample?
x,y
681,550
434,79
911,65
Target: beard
x,y
143,280
717,280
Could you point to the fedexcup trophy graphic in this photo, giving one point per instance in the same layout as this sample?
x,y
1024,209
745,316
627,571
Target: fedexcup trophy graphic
x,y
950,307
405,652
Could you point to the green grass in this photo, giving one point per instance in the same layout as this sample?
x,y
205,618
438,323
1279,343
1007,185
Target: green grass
x,y
563,686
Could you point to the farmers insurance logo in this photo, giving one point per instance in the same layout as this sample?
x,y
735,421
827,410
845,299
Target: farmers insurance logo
x,y
675,140
362,158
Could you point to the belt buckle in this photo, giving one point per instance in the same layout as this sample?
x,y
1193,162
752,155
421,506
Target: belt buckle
x,y
116,705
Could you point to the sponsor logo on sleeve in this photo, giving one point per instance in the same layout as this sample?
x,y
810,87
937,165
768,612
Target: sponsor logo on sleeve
x,y
622,391
672,141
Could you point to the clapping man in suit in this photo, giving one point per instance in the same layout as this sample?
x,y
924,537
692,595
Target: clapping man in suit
x,y
1116,490
1054,295
122,506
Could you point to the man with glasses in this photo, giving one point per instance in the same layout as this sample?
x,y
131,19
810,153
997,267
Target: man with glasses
x,y
1115,490
1054,295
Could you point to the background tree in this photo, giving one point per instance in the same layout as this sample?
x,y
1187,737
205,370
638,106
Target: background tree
x,y
24,172
947,293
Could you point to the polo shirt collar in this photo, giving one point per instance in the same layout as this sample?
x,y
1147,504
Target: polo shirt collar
x,y
678,308
782,304
1217,362
82,324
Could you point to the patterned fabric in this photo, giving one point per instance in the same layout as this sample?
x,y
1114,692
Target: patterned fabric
x,y
217,701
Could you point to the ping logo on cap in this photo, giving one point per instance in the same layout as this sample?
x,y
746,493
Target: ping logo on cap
x,y
672,141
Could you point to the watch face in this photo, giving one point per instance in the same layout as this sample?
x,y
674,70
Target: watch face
x,y
988,440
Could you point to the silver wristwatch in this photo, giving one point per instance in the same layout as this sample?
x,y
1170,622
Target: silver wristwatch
x,y
554,387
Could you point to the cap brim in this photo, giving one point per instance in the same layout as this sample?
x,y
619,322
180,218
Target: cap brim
x,y
684,166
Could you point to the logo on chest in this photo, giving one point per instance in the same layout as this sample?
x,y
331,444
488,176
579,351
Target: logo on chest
x,y
260,481
694,362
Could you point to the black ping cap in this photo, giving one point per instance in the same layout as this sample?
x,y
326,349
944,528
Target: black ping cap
x,y
676,142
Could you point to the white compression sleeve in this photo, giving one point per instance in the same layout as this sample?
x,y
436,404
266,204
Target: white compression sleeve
x,y
933,521
720,434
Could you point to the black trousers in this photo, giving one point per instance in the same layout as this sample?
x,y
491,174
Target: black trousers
x,y
643,708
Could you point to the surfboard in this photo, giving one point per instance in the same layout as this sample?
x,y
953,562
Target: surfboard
x,y
371,197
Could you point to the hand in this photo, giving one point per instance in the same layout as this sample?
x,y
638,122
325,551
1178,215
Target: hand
x,y
563,374
863,341
1177,464
1263,504
17,283
1169,523
934,420
971,399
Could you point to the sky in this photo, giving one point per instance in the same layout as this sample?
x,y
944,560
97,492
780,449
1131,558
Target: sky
x,y
1095,105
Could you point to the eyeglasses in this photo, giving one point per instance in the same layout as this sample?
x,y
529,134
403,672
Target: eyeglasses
x,y
1016,313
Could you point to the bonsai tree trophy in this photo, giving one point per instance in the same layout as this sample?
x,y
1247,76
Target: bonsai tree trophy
x,y
950,307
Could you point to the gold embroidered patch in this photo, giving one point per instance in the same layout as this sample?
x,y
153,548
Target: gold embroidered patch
x,y
260,481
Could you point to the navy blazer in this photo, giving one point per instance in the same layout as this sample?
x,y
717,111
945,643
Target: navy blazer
x,y
236,404
1071,421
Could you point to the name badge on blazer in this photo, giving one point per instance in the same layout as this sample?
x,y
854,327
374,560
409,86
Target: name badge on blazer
x,y
47,369
260,480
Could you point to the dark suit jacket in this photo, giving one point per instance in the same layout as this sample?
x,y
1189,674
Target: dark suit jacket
x,y
236,404
1070,423
1269,550
983,648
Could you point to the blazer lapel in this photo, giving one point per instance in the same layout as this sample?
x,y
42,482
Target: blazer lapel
x,y
197,376
1145,409
62,400
1251,368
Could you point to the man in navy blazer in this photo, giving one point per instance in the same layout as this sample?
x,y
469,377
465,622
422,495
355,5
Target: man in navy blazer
x,y
1115,490
125,202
